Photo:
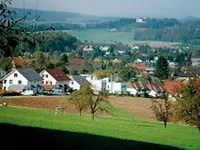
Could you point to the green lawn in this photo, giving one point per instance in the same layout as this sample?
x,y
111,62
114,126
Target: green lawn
x,y
127,133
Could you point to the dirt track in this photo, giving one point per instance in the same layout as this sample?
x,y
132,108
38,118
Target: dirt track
x,y
139,106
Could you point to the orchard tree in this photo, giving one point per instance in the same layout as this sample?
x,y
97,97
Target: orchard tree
x,y
78,100
188,105
162,68
162,109
87,98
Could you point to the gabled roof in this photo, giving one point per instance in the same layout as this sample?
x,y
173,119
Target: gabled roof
x,y
143,85
58,74
79,79
28,73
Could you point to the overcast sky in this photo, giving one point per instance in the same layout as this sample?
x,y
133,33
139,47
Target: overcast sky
x,y
120,8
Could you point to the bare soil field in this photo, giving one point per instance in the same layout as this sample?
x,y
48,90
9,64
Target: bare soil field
x,y
138,106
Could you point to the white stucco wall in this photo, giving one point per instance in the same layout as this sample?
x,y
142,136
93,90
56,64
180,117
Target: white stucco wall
x,y
132,91
74,85
114,88
15,80
47,78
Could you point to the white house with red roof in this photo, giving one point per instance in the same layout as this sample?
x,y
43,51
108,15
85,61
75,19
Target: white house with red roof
x,y
54,77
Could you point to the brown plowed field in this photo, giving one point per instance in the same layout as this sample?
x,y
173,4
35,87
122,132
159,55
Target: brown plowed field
x,y
138,106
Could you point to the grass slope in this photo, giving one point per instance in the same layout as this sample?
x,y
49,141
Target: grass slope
x,y
128,133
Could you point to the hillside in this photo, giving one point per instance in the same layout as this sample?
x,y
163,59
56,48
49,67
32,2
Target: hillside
x,y
56,16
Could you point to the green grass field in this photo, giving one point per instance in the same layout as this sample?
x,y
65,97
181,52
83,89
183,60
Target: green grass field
x,y
102,36
102,133
105,36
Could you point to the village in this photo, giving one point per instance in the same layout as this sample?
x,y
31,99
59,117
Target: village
x,y
28,82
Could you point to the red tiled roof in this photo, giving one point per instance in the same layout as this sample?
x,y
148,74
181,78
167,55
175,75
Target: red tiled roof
x,y
173,87
58,74
138,66
140,85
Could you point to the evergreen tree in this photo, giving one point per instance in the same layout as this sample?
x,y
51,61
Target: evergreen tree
x,y
162,68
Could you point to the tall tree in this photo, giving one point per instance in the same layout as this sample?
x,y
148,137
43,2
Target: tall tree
x,y
161,107
40,60
162,68
188,105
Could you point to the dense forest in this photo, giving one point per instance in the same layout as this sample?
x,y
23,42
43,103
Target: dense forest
x,y
187,32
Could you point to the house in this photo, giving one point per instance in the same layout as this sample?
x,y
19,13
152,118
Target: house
x,y
2,73
88,48
138,61
144,89
131,90
77,82
189,72
195,61
116,87
55,77
173,88
113,85
23,79
135,47
140,67
149,70
97,84
121,52
140,20
104,48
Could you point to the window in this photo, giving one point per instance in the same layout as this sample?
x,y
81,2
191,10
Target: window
x,y
15,75
72,83
5,81
11,82
46,76
4,88
42,82
19,82
91,77
46,82
42,75
51,83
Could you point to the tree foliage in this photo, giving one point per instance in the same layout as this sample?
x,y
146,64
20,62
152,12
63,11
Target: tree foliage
x,y
162,68
87,98
188,106
127,74
78,100
162,109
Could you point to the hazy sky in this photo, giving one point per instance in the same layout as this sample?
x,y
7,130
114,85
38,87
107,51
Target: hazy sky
x,y
122,8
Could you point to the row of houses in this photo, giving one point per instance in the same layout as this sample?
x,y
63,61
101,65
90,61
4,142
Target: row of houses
x,y
28,81
54,81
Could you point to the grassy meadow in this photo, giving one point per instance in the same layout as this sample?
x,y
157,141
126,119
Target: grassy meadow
x,y
105,36
102,36
37,127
